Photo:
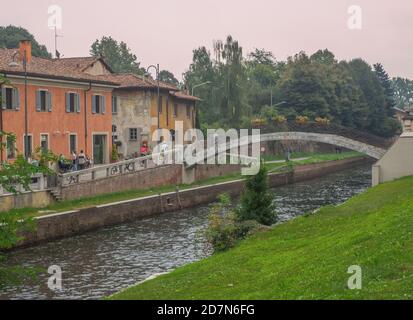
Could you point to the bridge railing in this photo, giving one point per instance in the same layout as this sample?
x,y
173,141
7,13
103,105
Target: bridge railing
x,y
173,156
113,169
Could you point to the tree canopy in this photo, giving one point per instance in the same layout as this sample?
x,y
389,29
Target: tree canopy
x,y
403,93
117,54
10,37
168,77
349,93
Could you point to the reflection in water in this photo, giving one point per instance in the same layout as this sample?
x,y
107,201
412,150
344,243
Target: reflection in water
x,y
100,263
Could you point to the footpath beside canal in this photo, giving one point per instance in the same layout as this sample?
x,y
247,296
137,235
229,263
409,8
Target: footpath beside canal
x,y
65,224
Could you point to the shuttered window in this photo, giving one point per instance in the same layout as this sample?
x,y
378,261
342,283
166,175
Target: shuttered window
x,y
10,98
98,104
43,101
72,102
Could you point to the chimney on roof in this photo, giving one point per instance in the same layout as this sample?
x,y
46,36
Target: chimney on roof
x,y
25,46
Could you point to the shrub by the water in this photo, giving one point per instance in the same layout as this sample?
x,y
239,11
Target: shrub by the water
x,y
257,203
224,229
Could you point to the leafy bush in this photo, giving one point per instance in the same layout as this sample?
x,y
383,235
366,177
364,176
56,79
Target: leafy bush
x,y
224,229
115,154
268,112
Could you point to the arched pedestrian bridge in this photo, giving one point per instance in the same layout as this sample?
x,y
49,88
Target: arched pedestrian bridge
x,y
340,141
370,145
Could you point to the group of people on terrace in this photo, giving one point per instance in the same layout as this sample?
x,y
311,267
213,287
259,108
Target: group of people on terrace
x,y
77,162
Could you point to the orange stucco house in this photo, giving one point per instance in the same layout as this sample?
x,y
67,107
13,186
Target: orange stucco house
x,y
68,106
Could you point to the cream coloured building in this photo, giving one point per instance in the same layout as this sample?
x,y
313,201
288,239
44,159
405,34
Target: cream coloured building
x,y
135,111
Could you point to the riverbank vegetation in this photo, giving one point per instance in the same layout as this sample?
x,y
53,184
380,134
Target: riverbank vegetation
x,y
309,257
133,194
17,173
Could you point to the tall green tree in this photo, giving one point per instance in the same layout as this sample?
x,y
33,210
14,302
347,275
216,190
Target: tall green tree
x,y
303,87
403,92
374,95
10,37
387,86
231,71
263,73
202,70
117,54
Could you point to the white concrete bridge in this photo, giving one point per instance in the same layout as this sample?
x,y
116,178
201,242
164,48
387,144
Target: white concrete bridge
x,y
144,163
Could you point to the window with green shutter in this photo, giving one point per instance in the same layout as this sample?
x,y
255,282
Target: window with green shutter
x,y
98,104
43,101
10,98
72,102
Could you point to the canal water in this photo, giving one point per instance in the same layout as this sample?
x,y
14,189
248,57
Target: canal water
x,y
103,262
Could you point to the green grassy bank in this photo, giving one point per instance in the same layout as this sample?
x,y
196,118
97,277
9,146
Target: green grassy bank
x,y
308,258
133,194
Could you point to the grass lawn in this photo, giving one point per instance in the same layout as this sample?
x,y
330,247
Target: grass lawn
x,y
308,258
132,194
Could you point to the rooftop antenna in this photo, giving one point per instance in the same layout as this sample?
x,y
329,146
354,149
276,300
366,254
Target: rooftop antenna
x,y
57,53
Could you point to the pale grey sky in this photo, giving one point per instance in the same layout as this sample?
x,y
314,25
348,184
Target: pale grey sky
x,y
166,31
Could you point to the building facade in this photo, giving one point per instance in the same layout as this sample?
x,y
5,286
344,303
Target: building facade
x,y
135,111
405,117
76,104
67,108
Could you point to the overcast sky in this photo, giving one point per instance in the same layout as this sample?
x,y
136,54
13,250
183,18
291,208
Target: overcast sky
x,y
166,31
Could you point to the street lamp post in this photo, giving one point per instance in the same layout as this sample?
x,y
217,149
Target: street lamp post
x,y
199,85
159,91
26,121
193,89
280,103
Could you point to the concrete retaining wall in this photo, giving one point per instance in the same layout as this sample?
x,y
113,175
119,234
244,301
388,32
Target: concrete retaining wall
x,y
205,171
34,199
67,224
145,179
397,162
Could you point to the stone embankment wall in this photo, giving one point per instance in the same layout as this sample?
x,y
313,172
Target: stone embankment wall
x,y
145,179
79,221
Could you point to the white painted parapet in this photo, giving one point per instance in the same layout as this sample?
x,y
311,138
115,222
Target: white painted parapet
x,y
396,163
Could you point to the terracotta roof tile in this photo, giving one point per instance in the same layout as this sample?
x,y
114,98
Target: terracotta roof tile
x,y
81,63
133,81
48,68
184,96
130,80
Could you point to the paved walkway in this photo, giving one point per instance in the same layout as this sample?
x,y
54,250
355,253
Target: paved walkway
x,y
281,161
